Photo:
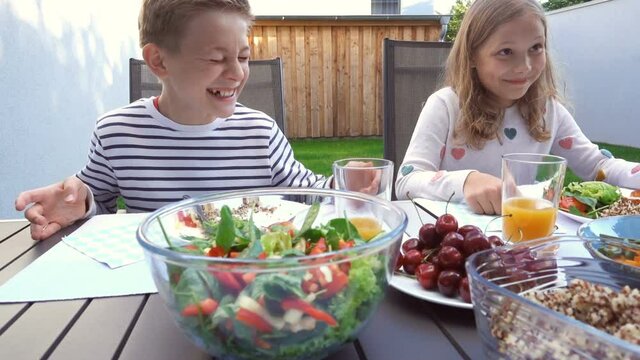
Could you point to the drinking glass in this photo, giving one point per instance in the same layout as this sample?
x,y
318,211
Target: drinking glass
x,y
365,175
531,187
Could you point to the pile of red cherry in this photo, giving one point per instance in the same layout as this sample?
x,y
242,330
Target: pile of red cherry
x,y
437,256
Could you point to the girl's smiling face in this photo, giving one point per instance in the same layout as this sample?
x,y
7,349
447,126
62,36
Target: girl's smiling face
x,y
512,59
206,75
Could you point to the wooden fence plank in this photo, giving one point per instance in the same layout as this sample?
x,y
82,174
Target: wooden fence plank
x,y
333,69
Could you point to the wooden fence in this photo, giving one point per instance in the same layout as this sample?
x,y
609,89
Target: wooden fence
x,y
333,68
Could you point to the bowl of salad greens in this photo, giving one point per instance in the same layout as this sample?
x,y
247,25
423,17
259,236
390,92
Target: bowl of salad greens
x,y
277,273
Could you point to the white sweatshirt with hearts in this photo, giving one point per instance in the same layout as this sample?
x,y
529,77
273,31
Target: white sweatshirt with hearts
x,y
434,167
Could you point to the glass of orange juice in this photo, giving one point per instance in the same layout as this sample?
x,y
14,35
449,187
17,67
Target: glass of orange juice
x,y
531,187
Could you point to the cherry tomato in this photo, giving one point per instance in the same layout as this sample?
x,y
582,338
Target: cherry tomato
x,y
566,202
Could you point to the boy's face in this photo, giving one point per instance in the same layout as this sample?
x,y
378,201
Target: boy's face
x,y
204,78
512,59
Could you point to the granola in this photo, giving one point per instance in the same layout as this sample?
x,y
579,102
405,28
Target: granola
x,y
524,336
624,206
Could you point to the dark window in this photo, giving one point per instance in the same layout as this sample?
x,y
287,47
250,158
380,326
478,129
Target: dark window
x,y
379,7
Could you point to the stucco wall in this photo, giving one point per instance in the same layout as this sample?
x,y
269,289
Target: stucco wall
x,y
597,48
62,64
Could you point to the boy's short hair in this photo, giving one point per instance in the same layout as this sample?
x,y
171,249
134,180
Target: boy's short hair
x,y
162,22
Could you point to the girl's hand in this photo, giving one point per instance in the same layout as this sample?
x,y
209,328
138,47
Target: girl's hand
x,y
483,193
54,206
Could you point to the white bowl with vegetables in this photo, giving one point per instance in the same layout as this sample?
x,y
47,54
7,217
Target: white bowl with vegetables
x,y
277,273
588,200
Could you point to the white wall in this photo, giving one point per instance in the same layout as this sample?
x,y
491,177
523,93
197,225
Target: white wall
x,y
597,48
62,64
426,7
306,7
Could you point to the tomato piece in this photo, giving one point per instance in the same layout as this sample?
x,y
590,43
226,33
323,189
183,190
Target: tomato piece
x,y
248,278
216,251
262,344
208,306
188,221
346,244
205,307
566,202
228,280
319,248
339,282
190,310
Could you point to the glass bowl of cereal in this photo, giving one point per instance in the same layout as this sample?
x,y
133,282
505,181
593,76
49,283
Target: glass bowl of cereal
x,y
553,298
277,273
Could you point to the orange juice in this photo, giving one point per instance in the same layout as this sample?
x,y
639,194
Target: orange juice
x,y
367,227
527,219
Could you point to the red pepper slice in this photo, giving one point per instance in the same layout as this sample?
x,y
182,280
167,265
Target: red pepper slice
x,y
205,307
228,280
307,308
253,320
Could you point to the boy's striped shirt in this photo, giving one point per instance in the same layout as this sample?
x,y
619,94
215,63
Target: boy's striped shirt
x,y
149,160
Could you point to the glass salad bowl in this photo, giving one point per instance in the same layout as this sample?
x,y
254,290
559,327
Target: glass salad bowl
x,y
514,290
277,273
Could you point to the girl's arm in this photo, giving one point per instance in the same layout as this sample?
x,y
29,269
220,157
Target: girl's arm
x,y
421,173
585,159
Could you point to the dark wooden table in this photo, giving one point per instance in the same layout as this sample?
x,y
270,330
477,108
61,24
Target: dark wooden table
x,y
138,327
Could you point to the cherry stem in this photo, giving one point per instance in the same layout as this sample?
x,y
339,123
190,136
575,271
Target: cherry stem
x,y
495,218
446,207
415,207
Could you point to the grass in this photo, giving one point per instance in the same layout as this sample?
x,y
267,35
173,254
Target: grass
x,y
319,154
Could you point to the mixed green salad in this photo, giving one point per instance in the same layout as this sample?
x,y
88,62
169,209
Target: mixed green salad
x,y
588,198
274,314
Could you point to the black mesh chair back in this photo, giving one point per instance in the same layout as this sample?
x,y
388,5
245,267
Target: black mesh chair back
x,y
411,72
264,90
142,82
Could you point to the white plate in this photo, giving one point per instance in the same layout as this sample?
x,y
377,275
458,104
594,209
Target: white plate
x,y
412,287
578,218
581,219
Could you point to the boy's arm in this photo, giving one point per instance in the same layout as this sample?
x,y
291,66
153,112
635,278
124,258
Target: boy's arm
x,y
100,178
286,171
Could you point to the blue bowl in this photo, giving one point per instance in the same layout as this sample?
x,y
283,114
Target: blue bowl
x,y
619,238
625,227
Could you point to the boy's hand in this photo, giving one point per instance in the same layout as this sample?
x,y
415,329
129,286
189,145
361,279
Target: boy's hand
x,y
365,180
54,207
483,193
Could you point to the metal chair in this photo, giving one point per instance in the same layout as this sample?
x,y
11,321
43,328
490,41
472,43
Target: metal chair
x,y
263,91
142,82
411,72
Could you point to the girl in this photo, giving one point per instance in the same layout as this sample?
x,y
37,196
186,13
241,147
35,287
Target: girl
x,y
500,98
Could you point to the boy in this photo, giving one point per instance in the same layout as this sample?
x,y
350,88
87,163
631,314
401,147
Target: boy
x,y
192,139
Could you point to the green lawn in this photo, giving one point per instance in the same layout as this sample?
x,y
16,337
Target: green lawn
x,y
319,154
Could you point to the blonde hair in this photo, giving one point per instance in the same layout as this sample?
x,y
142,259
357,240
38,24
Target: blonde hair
x,y
162,22
480,118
